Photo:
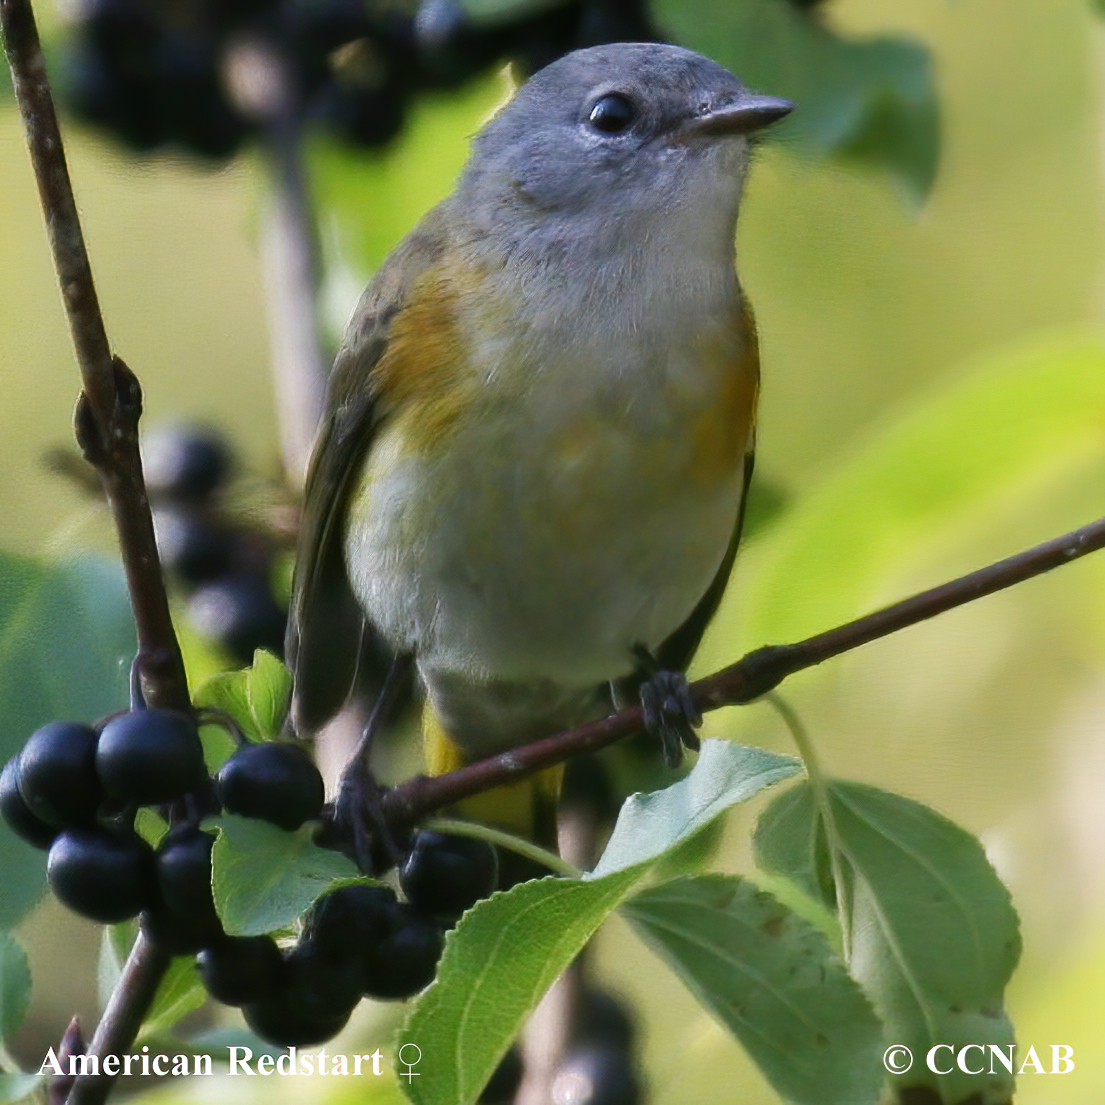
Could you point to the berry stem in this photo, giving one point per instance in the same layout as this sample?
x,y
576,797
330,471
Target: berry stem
x,y
516,844
126,1009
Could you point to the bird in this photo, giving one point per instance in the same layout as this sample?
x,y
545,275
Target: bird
x,y
531,471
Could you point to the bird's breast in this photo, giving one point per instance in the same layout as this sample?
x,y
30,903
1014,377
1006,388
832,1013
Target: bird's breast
x,y
551,486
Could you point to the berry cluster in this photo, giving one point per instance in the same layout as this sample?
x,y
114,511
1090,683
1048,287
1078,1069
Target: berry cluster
x,y
74,789
597,1068
357,941
156,73
223,567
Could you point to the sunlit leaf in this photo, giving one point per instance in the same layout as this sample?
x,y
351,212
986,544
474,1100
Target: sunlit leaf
x,y
932,933
15,986
264,878
652,824
773,981
506,950
498,962
268,691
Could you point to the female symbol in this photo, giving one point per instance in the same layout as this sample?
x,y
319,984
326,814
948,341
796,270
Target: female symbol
x,y
410,1064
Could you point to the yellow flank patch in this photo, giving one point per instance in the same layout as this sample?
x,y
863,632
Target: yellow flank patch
x,y
721,434
425,369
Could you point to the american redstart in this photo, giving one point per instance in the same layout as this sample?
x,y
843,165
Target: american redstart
x,y
538,437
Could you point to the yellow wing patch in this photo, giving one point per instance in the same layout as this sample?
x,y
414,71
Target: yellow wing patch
x,y
425,371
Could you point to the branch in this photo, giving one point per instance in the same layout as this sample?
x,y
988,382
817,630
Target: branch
x,y
264,86
107,417
749,678
111,402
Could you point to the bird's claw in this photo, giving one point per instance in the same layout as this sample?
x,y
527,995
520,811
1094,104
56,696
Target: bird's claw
x,y
671,714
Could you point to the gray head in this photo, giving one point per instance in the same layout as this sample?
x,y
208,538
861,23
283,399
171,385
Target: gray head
x,y
615,133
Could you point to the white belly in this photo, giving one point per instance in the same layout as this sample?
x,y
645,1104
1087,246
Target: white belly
x,y
555,534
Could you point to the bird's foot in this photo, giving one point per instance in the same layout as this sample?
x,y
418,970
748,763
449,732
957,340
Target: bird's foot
x,y
669,707
356,825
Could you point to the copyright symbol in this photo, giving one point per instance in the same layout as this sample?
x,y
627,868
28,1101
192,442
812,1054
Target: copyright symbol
x,y
897,1058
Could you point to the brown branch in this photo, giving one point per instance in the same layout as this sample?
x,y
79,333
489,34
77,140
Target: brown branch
x,y
750,677
106,420
110,405
122,1019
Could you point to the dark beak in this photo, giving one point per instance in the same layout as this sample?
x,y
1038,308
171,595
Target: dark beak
x,y
749,113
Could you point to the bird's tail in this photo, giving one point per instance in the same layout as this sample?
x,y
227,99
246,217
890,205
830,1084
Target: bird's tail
x,y
526,808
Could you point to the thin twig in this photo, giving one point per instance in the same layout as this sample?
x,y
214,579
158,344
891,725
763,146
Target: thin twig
x,y
122,1019
749,678
110,405
107,417
264,86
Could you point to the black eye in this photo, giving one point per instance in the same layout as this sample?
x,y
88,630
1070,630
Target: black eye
x,y
612,113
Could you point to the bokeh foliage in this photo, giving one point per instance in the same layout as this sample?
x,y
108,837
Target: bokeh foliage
x,y
918,417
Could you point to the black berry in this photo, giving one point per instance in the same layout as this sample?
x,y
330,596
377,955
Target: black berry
x,y
17,813
184,874
57,774
184,463
285,1022
240,613
444,875
103,874
273,782
190,545
351,917
151,756
312,1001
240,969
177,933
597,1076
405,961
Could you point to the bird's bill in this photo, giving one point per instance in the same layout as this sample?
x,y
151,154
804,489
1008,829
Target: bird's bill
x,y
751,112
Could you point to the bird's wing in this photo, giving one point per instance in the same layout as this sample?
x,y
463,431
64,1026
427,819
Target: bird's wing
x,y
677,650
329,645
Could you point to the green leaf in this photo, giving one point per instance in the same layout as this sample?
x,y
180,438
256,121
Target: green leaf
x,y
115,944
66,639
180,992
229,691
507,950
269,692
932,933
15,1088
264,878
15,986
871,99
256,697
772,980
650,825
790,841
498,962
1021,425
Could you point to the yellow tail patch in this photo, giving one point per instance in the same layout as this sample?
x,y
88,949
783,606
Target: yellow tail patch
x,y
526,808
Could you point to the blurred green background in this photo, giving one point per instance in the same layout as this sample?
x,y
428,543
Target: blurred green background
x,y
934,398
